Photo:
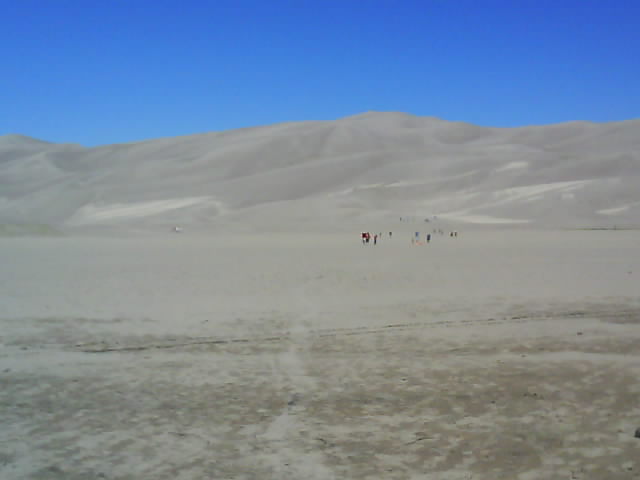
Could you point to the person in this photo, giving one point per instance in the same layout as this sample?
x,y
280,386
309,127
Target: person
x,y
390,233
375,239
428,237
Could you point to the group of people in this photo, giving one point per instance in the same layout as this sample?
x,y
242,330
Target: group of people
x,y
416,238
367,237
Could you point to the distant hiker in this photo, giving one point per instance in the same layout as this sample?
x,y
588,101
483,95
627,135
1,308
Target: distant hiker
x,y
390,233
428,237
375,239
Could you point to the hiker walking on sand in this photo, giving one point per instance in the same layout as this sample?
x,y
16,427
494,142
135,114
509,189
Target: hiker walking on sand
x,y
375,239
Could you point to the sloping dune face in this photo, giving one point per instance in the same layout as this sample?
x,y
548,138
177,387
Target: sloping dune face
x,y
373,165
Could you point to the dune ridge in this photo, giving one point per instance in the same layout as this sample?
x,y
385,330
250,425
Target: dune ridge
x,y
375,165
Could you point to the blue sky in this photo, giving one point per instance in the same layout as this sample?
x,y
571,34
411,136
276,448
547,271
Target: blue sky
x,y
107,71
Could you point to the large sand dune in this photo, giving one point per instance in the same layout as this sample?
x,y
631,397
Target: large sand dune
x,y
369,166
295,352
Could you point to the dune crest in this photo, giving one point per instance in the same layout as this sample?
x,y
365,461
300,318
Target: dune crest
x,y
372,165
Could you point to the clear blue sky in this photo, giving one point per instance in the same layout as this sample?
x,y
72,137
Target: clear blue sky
x,y
107,71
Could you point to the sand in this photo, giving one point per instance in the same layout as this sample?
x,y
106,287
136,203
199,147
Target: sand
x,y
494,355
376,165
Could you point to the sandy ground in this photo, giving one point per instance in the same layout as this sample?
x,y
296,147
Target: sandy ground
x,y
495,355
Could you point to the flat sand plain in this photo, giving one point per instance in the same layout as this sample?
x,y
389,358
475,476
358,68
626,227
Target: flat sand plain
x,y
494,355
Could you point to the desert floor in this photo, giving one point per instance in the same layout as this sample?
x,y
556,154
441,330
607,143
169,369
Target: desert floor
x,y
494,355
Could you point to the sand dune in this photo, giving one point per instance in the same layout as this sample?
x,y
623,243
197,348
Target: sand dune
x,y
507,352
372,165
